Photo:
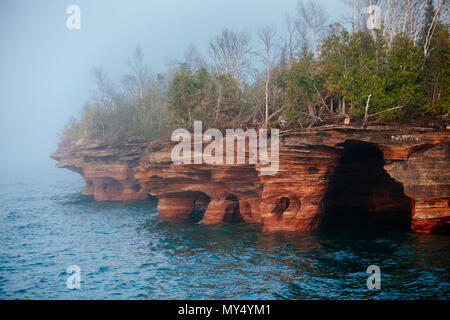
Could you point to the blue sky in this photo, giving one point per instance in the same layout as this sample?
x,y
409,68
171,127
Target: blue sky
x,y
44,77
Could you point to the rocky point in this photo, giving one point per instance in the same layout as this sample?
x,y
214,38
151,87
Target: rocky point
x,y
327,176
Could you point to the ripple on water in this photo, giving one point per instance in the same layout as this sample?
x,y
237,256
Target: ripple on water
x,y
125,251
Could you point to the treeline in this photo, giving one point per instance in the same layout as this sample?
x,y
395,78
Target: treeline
x,y
317,73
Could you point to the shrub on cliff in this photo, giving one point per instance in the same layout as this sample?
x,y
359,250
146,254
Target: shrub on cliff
x,y
316,75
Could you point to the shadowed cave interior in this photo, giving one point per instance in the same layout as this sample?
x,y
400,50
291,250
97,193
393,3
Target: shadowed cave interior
x,y
362,194
201,202
232,211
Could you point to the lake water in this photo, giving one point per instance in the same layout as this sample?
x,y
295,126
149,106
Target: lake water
x,y
125,251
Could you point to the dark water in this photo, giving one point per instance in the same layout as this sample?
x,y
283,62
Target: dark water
x,y
125,251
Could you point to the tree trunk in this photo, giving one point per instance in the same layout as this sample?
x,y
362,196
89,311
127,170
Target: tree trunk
x,y
159,122
343,106
267,95
311,109
219,97
366,113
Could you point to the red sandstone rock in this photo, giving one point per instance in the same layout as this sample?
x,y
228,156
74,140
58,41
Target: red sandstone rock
x,y
314,179
108,171
426,176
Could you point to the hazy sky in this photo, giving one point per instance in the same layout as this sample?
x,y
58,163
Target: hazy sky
x,y
45,68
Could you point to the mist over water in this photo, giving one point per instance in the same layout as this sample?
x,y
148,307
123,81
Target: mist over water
x,y
125,251
46,68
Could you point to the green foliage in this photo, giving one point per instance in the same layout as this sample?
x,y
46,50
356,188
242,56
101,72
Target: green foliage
x,y
436,73
126,119
196,96
333,59
70,132
402,81
301,81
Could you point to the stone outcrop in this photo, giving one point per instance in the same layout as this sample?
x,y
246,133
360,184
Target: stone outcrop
x,y
426,179
327,176
108,171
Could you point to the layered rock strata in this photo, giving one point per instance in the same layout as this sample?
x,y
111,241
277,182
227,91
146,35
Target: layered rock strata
x,y
108,171
326,176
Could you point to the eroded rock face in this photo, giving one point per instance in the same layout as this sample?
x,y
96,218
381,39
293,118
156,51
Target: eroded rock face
x,y
426,176
378,175
221,189
293,199
108,171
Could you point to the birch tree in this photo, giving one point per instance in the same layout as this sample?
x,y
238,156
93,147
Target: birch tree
x,y
104,92
139,75
267,37
230,53
311,15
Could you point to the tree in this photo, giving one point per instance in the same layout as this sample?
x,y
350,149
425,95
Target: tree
x,y
395,73
104,94
182,95
402,77
436,72
291,41
139,75
230,52
191,95
267,37
431,22
333,64
301,82
311,16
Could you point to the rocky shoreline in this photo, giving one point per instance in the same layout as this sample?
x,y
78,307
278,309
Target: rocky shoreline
x,y
379,175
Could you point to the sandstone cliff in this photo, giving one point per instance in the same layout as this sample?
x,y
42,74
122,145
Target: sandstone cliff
x,y
327,176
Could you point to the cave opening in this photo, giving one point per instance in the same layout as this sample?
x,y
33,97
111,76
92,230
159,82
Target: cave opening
x,y
152,199
111,187
232,210
136,187
201,201
362,194
281,206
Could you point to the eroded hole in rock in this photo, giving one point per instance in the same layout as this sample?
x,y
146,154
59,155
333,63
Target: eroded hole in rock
x,y
111,187
361,193
153,199
232,211
281,206
201,201
136,187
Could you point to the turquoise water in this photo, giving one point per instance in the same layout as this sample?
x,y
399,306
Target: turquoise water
x,y
125,251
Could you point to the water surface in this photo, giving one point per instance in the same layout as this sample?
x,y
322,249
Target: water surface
x,y
125,251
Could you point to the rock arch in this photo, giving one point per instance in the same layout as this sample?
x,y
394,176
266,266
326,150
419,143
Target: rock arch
x,y
182,205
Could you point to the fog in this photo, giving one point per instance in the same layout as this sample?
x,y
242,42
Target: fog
x,y
45,67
